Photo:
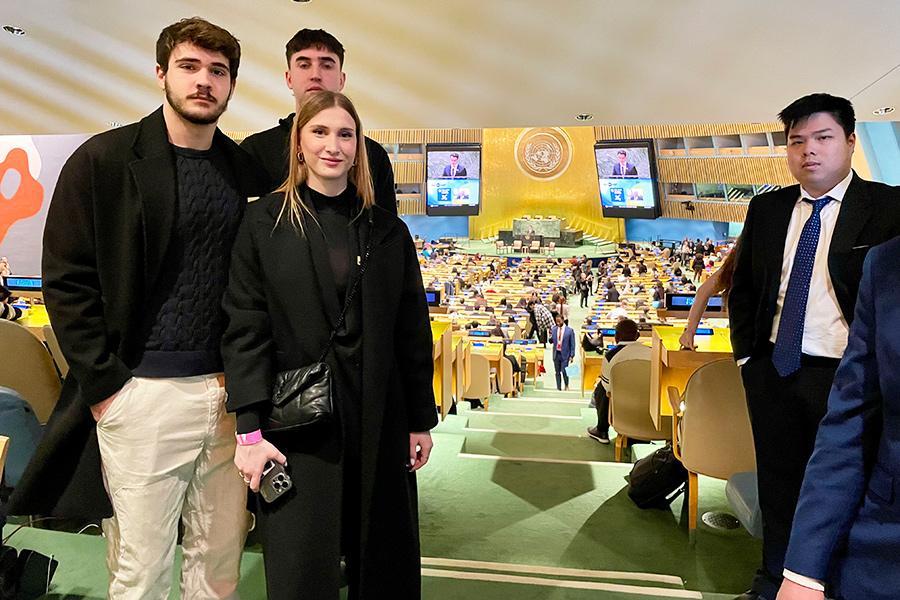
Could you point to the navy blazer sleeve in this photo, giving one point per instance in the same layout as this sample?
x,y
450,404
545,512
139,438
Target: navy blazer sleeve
x,y
838,472
569,343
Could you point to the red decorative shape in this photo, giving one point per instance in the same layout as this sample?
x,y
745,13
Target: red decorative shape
x,y
26,202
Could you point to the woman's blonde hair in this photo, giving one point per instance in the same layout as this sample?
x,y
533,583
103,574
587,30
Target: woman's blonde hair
x,y
298,172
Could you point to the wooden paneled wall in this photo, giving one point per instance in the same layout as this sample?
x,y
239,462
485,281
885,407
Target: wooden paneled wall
x,y
638,132
425,136
718,169
734,212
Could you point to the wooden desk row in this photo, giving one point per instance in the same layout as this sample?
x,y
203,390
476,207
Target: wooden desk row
x,y
451,354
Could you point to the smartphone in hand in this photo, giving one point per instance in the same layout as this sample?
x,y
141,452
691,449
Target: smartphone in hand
x,y
275,481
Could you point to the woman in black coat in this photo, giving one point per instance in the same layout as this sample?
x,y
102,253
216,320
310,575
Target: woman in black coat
x,y
296,258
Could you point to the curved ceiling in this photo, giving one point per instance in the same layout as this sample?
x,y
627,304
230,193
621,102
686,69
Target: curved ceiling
x,y
466,63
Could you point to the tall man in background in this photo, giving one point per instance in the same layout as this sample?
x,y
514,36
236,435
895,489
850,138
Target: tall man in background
x,y
562,339
135,261
792,300
315,60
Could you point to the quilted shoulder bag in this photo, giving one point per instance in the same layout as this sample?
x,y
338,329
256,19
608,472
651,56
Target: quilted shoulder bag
x,y
304,397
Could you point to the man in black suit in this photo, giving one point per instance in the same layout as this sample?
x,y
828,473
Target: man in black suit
x,y
792,300
315,60
623,168
135,261
454,169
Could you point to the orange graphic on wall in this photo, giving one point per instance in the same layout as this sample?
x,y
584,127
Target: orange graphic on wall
x,y
26,202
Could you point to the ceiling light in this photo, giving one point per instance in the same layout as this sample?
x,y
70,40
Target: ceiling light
x,y
884,110
584,116
14,30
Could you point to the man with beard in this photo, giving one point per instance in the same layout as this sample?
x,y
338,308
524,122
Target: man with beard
x,y
135,261
315,60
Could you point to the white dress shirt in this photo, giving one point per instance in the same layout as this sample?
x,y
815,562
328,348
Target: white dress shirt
x,y
825,329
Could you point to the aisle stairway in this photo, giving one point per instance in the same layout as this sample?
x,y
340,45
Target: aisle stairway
x,y
535,508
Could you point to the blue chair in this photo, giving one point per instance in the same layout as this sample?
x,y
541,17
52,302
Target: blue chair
x,y
19,423
743,498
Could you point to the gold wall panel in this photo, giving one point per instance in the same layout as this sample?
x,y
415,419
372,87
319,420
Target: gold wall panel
x,y
507,192
734,212
744,169
637,132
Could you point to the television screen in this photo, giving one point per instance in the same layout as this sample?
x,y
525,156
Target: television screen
x,y
453,179
513,261
626,171
432,297
677,302
22,284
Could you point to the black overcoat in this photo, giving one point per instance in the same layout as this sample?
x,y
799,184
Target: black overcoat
x,y
105,241
282,305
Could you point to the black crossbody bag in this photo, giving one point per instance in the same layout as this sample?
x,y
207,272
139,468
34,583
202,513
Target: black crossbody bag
x,y
303,397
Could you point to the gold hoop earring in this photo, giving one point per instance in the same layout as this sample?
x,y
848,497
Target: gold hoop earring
x,y
300,158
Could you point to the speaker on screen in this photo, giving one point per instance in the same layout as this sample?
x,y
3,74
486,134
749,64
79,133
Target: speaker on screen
x,y
626,172
453,179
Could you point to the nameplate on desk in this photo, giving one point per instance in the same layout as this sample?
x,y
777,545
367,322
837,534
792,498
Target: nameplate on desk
x,y
704,331
608,332
478,344
479,333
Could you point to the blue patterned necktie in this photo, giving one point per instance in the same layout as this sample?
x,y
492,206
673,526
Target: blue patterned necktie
x,y
789,341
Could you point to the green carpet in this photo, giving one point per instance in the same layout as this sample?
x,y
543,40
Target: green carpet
x,y
518,505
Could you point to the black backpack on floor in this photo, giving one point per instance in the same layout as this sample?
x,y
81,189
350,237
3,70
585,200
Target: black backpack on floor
x,y
657,479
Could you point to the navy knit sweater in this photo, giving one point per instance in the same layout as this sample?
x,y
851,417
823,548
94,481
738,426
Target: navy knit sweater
x,y
184,322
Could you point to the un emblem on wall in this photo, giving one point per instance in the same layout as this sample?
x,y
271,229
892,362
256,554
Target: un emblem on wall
x,y
543,153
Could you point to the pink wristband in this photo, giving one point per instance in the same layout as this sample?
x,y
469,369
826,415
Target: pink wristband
x,y
248,439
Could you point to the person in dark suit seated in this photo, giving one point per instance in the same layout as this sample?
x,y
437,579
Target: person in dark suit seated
x,y
612,294
792,302
623,168
315,61
454,169
562,340
846,529
317,258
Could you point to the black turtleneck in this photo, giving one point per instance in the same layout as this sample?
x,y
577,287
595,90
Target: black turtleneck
x,y
334,214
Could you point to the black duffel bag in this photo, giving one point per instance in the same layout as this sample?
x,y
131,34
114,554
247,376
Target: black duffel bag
x,y
657,479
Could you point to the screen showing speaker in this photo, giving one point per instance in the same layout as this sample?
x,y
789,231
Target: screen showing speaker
x,y
626,173
453,179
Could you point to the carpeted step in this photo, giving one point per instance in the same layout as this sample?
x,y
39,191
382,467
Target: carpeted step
x,y
538,406
524,445
540,424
